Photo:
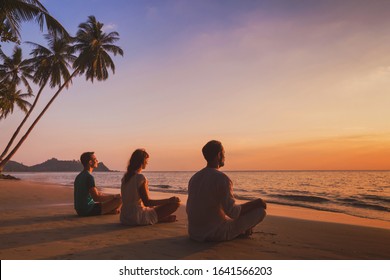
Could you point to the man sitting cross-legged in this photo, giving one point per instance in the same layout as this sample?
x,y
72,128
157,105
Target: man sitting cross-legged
x,y
212,212
88,201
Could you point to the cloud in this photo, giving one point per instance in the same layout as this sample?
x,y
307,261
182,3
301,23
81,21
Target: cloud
x,y
109,27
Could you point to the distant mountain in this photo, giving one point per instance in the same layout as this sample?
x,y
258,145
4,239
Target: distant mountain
x,y
52,165
13,166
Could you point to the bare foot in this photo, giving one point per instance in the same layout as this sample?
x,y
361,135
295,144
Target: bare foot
x,y
115,211
246,234
168,219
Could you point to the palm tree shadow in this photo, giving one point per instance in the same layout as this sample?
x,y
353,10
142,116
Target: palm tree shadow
x,y
28,221
72,230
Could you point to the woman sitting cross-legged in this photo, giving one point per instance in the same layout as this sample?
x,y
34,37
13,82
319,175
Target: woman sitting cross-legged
x,y
137,207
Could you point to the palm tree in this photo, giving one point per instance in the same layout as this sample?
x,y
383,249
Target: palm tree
x,y
13,72
14,12
50,65
93,46
14,69
6,34
9,96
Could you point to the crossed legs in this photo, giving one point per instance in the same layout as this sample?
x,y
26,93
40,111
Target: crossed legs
x,y
112,206
252,213
250,208
164,212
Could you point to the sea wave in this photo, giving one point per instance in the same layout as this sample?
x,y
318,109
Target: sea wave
x,y
304,184
167,189
353,202
244,197
376,198
371,206
305,198
162,186
319,207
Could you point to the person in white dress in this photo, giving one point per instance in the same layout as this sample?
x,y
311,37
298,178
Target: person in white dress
x,y
138,208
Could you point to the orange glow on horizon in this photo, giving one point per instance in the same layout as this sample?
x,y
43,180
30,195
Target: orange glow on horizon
x,y
344,153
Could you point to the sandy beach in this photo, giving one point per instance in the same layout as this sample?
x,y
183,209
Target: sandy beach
x,y
37,221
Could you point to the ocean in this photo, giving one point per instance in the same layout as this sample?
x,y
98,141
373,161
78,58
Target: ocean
x,y
358,193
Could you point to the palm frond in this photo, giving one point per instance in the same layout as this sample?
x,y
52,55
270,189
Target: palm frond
x,y
13,12
94,48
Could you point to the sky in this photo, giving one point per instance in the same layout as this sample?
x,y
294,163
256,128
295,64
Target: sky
x,y
284,85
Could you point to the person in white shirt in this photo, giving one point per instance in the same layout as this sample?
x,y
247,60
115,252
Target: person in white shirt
x,y
213,214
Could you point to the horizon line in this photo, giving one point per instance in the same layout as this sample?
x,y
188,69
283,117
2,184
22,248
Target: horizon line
x,y
274,170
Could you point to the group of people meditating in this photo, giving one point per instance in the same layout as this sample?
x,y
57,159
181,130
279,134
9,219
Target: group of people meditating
x,y
213,214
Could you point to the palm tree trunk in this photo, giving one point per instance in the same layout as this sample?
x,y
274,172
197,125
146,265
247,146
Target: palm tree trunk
x,y
22,123
15,149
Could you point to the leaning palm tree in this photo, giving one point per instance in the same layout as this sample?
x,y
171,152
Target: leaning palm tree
x,y
14,12
93,47
9,97
50,64
13,72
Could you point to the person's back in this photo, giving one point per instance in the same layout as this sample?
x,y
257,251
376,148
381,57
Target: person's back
x,y
212,212
83,201
210,199
138,208
132,202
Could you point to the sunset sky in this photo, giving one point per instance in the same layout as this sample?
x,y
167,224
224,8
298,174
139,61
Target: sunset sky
x,y
282,84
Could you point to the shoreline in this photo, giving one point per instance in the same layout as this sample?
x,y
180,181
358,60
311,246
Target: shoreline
x,y
352,202
38,222
290,211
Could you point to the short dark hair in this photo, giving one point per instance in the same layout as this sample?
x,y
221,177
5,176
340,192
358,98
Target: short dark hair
x,y
85,158
211,150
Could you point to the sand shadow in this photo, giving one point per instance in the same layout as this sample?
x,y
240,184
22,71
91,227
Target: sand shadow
x,y
27,221
34,237
180,247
